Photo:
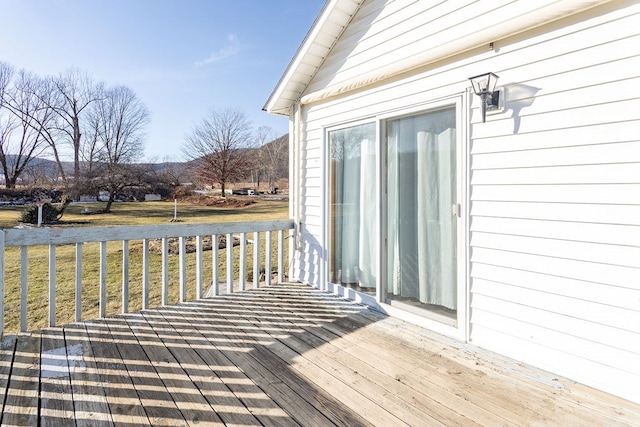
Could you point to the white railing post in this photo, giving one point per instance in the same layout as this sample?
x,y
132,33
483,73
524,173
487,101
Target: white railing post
x,y
145,274
24,273
242,273
182,266
256,260
214,264
229,247
1,283
78,305
103,279
52,285
125,276
292,253
165,271
199,266
267,259
280,256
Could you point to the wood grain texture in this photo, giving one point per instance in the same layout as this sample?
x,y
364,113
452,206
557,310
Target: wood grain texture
x,y
283,355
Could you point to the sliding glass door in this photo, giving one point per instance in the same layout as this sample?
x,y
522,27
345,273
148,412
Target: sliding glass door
x,y
404,254
421,224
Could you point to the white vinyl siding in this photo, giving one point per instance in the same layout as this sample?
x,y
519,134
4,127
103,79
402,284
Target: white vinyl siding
x,y
555,205
554,181
407,33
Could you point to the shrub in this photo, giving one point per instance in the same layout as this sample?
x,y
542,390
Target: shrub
x,y
50,213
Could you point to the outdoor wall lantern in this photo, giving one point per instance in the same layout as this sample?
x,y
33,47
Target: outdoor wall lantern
x,y
484,86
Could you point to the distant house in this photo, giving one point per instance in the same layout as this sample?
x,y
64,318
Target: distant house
x,y
520,234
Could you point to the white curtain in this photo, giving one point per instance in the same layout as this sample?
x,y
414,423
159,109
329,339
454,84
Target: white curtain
x,y
368,216
441,280
421,225
394,279
349,239
354,215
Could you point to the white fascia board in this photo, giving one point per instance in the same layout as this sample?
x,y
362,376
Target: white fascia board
x,y
302,62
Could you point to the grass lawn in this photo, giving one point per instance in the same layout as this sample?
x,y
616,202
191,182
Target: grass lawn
x,y
148,213
135,213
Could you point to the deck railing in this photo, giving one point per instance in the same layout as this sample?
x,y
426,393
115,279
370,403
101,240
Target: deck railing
x,y
243,233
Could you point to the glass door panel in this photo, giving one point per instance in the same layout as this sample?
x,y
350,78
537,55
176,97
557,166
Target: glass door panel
x,y
353,215
421,223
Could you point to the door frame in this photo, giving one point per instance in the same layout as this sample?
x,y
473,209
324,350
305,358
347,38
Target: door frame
x,y
461,330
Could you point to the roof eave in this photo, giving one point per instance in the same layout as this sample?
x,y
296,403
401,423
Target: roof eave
x,y
284,96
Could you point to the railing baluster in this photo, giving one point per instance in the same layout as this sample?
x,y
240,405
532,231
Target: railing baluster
x,y
267,259
182,266
78,307
199,267
103,279
125,276
52,285
243,260
280,256
24,266
214,264
145,274
165,271
229,247
256,260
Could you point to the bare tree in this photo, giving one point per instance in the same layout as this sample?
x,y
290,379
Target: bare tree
x,y
219,147
40,173
64,99
6,74
45,121
275,160
67,96
119,120
172,173
75,92
7,120
21,119
263,135
91,148
7,127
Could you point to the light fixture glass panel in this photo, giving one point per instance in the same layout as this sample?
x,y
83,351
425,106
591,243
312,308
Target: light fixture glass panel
x,y
484,83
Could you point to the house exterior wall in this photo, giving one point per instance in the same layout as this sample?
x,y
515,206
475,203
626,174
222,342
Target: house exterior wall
x,y
553,199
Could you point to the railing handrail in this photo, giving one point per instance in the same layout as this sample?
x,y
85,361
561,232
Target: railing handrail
x,y
61,236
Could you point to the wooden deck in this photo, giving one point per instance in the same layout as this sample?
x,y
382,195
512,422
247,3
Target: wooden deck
x,y
283,355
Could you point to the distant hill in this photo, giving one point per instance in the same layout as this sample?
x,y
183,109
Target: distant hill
x,y
273,155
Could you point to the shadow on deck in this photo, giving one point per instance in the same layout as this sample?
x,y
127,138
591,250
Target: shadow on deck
x,y
281,355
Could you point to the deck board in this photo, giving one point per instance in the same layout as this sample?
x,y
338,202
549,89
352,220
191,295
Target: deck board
x,y
204,367
188,398
125,406
56,402
284,355
89,400
353,363
270,374
158,403
379,404
7,351
22,405
231,392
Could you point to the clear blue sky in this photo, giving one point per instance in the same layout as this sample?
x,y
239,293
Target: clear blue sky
x,y
181,57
